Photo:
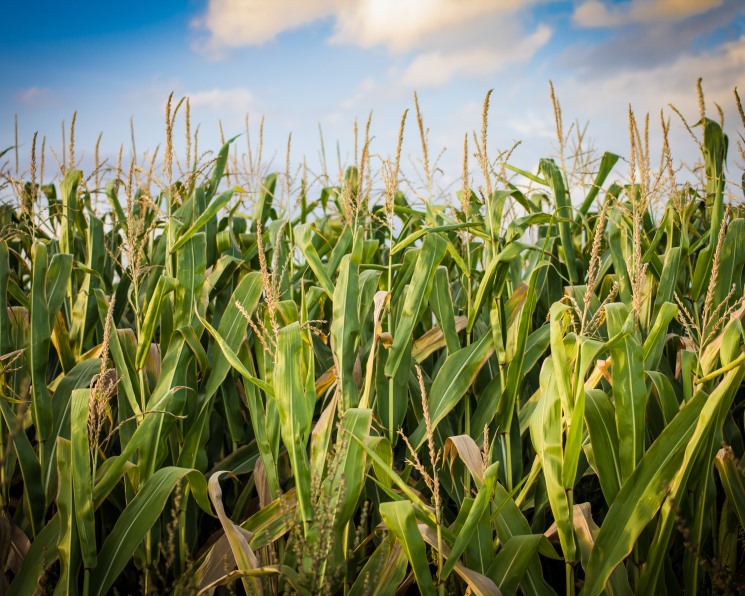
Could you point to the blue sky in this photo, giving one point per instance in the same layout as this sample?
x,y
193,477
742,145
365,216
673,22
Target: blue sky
x,y
299,63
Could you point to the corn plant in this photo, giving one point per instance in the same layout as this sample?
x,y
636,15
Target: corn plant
x,y
238,381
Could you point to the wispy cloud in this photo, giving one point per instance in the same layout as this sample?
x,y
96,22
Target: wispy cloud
x,y
604,101
218,100
236,23
34,97
399,25
647,45
404,25
437,68
429,42
600,13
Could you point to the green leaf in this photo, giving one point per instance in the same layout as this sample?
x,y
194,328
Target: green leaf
x,y
211,211
82,477
295,408
232,330
732,481
137,519
5,336
400,519
563,204
601,426
515,370
244,556
345,330
304,239
442,305
165,286
466,533
646,488
40,556
432,252
546,432
452,381
232,357
67,545
629,389
33,494
698,452
607,161
512,561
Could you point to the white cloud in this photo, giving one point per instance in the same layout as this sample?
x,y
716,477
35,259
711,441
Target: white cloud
x,y
721,68
531,126
34,96
235,23
435,68
402,25
604,101
598,13
238,100
398,25
432,41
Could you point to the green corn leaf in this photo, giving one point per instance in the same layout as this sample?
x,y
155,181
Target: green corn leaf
x,y
79,377
211,211
345,329
84,312
266,197
698,453
400,520
601,426
232,330
41,555
234,360
191,263
453,380
303,237
384,570
124,366
563,204
33,493
69,191
512,561
352,466
82,477
642,494
607,161
515,372
494,273
546,432
629,389
655,342
295,409
137,519
165,286
67,545
5,333
732,481
442,305
43,312
432,252
466,533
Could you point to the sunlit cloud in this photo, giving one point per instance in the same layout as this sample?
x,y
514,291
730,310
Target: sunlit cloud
x,y
440,67
600,13
399,25
217,100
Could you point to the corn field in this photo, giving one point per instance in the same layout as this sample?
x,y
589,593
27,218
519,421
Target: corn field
x,y
218,379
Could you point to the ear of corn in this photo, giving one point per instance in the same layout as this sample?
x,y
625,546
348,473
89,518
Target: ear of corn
x,y
534,388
